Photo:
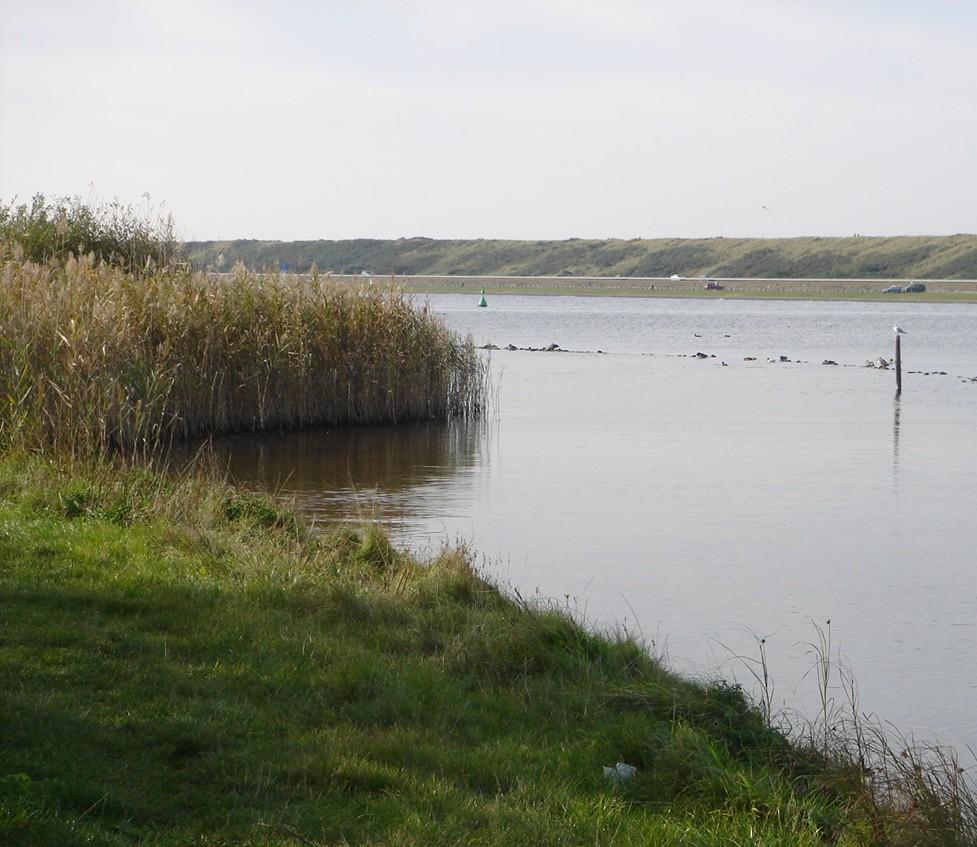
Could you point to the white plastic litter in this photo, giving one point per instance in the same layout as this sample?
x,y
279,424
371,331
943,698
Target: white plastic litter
x,y
620,772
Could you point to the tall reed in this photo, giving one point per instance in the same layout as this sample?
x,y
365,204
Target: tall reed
x,y
94,358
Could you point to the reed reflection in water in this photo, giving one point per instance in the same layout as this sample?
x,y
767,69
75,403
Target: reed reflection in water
x,y
386,473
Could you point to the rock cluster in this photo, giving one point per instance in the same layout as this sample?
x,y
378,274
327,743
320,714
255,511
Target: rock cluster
x,y
549,348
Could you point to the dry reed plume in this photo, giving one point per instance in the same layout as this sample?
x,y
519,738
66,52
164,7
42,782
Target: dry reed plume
x,y
93,358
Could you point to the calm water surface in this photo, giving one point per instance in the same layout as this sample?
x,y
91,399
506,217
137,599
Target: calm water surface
x,y
698,504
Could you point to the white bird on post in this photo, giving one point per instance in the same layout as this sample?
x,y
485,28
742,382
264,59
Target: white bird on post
x,y
898,330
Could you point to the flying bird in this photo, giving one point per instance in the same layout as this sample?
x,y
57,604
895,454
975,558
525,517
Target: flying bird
x,y
898,330
767,208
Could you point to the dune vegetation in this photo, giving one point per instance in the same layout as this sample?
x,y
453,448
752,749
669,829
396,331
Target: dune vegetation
x,y
901,257
183,662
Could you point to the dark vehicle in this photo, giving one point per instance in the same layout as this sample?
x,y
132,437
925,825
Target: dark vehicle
x,y
892,289
712,285
914,288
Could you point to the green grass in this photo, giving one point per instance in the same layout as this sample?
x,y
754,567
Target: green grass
x,y
182,663
924,257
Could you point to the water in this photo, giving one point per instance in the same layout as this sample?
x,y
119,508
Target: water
x,y
698,504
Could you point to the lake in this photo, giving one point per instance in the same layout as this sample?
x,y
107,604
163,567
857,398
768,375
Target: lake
x,y
700,504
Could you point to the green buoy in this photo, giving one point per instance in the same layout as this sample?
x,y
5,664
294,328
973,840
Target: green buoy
x,y
481,300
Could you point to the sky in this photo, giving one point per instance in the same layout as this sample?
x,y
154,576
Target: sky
x,y
531,119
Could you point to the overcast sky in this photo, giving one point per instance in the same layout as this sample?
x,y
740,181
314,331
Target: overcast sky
x,y
585,118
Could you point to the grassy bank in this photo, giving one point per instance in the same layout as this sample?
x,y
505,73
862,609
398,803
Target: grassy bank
x,y
182,663
185,663
93,356
922,257
739,289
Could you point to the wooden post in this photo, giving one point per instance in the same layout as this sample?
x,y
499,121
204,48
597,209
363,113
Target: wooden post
x,y
898,364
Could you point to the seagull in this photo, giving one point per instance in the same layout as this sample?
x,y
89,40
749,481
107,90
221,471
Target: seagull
x,y
898,330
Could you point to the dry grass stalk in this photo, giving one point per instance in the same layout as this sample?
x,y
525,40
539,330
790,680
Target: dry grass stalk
x,y
93,358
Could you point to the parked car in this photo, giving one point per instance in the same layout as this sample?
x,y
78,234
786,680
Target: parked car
x,y
914,288
712,285
892,289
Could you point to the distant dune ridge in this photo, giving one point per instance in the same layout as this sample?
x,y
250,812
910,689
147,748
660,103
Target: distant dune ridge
x,y
899,257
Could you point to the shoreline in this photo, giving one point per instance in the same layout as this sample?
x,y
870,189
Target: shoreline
x,y
213,668
867,290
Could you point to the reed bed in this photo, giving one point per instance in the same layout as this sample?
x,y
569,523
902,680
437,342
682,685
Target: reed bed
x,y
94,358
